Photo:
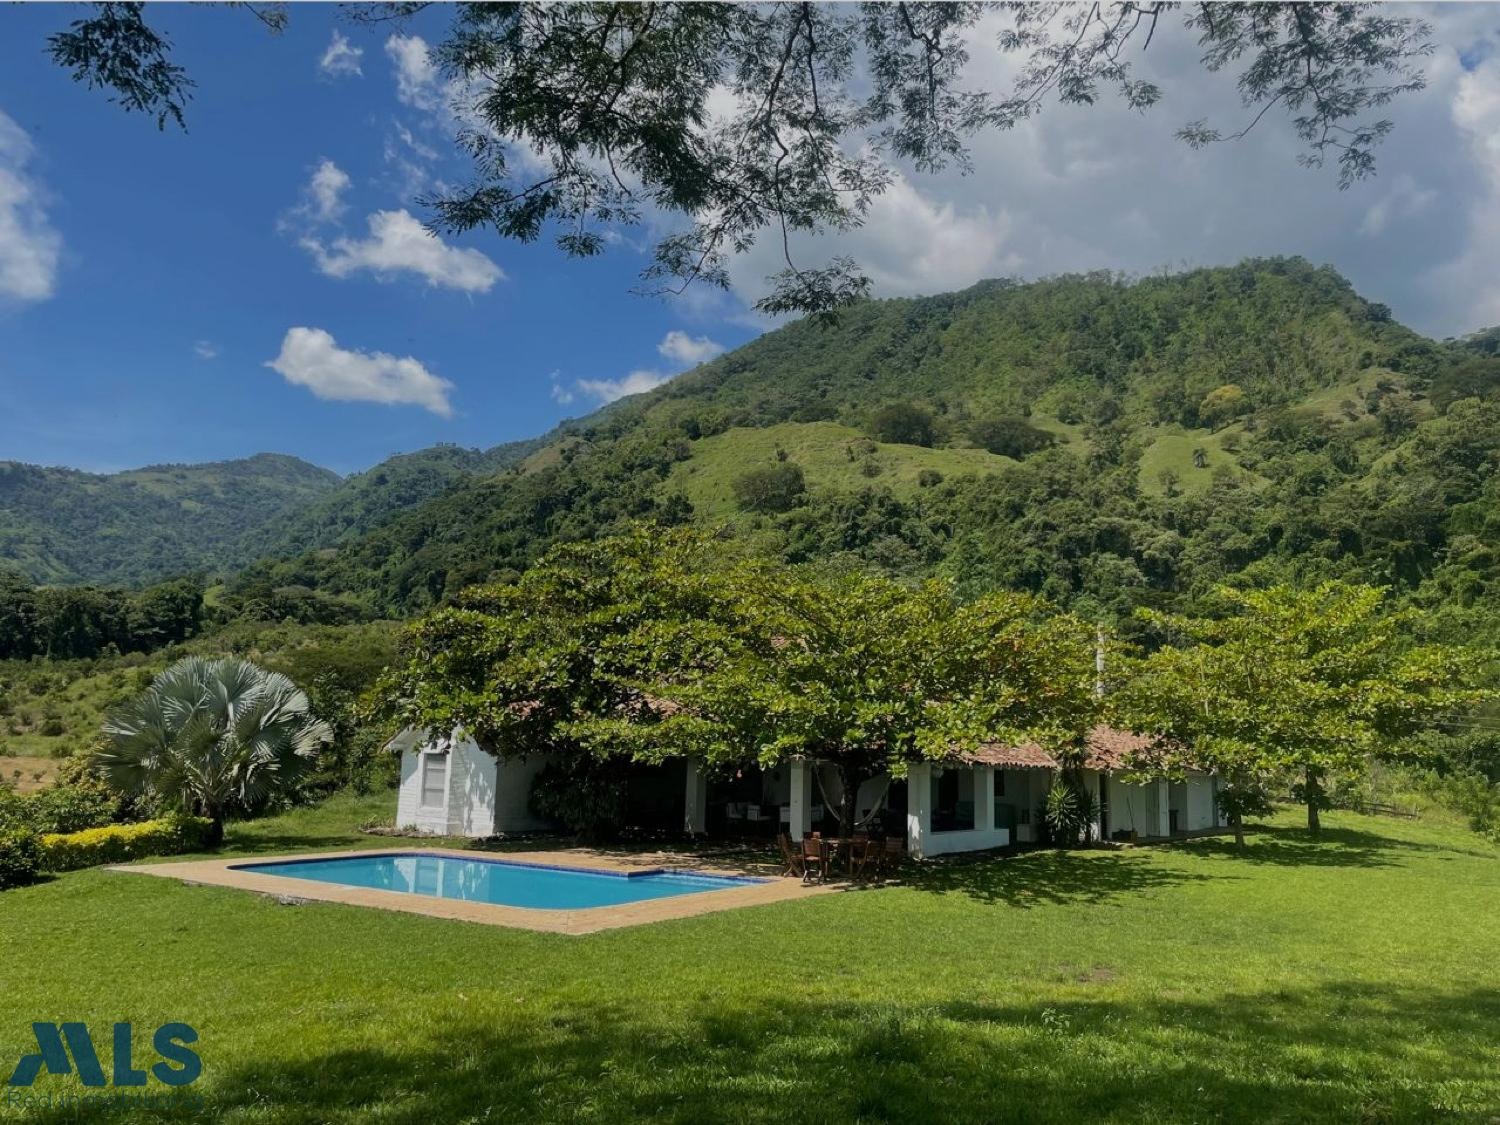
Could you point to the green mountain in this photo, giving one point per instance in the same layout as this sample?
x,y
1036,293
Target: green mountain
x,y
64,526
128,528
1105,441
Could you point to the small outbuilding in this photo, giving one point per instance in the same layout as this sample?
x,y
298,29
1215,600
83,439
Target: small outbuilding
x,y
451,787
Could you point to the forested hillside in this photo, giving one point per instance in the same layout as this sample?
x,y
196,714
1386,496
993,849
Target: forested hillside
x,y
139,526
1107,442
65,526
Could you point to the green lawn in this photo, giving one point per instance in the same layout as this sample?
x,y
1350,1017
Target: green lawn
x,y
1351,980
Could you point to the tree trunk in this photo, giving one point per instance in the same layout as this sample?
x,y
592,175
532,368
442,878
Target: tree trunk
x,y
1237,822
849,781
1313,791
215,834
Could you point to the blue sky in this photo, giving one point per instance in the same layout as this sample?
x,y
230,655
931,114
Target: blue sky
x,y
187,297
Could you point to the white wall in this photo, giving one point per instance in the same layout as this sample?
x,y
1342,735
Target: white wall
x,y
1199,810
923,843
484,796
1132,807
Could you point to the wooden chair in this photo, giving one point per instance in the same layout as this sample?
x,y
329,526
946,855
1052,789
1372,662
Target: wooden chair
x,y
814,858
893,852
861,848
795,862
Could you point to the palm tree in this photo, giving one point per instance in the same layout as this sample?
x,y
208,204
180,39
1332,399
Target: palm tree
x,y
213,736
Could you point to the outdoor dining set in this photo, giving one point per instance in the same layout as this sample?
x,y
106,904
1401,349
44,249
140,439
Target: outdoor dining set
x,y
818,855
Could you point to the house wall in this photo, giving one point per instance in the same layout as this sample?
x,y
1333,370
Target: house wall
x,y
513,778
923,843
1199,809
469,809
1024,792
1132,806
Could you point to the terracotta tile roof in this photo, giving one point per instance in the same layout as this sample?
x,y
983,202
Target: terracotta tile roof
x,y
1107,750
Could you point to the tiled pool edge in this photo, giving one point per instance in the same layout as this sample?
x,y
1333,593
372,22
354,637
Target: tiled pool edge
x,y
229,873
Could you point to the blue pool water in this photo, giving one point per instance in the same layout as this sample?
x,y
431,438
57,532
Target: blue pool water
x,y
501,882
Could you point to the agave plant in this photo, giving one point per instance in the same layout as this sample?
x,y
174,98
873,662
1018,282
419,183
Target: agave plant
x,y
213,737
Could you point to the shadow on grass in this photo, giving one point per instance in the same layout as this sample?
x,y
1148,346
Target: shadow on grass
x,y
1341,1052
1049,877
1333,847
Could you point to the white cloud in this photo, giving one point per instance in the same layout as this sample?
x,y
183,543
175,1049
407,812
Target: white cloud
x,y
341,59
30,247
683,350
688,350
417,81
608,390
399,243
311,358
322,198
206,349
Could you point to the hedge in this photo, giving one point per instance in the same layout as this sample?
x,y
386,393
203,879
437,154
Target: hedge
x,y
20,856
120,842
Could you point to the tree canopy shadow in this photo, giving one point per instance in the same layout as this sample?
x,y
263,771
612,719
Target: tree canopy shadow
x,y
1333,847
1037,878
1342,1051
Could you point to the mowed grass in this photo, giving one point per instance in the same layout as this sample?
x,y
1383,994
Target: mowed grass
x,y
832,457
1352,979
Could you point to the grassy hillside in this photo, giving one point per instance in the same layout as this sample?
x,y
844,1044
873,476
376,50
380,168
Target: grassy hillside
x,y
61,525
1293,982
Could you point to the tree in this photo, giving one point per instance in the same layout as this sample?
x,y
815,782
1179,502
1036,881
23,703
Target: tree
x,y
213,737
1223,403
560,661
870,675
1291,682
774,488
904,423
1009,435
590,115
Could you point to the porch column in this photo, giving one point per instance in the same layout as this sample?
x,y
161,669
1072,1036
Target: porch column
x,y
801,822
1163,808
984,798
918,807
695,800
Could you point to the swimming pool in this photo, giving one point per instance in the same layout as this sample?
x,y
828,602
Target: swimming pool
x,y
497,881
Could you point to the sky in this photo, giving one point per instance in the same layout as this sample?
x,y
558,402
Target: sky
x,y
264,282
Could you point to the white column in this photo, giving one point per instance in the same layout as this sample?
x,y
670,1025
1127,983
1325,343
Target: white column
x,y
984,798
918,807
1163,808
801,823
695,800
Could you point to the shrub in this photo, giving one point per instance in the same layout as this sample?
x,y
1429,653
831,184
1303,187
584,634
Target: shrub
x,y
1068,814
120,842
72,808
904,423
19,857
587,797
1010,436
775,488
929,478
52,728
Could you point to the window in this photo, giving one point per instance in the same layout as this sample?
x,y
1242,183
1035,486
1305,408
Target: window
x,y
434,780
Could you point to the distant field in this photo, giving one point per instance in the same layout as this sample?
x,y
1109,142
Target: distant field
x,y
832,456
1171,449
28,774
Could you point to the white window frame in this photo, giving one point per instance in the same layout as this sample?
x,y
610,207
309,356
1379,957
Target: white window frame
x,y
424,764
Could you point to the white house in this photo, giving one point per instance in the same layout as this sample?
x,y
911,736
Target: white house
x,y
975,802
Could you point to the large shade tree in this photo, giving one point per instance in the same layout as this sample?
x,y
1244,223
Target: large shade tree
x,y
213,737
655,645
1293,683
727,123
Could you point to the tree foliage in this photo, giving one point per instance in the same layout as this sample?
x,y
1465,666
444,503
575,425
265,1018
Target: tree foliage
x,y
212,737
742,122
1286,683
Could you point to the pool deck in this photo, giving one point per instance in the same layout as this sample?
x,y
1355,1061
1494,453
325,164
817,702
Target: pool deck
x,y
224,873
